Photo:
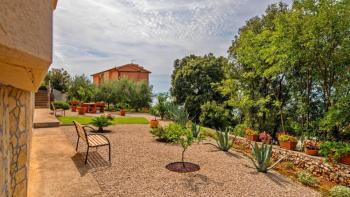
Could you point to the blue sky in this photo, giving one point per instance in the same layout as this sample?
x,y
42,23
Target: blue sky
x,y
93,35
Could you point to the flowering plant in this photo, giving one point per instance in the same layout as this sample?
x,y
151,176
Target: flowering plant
x,y
287,138
265,137
312,144
249,131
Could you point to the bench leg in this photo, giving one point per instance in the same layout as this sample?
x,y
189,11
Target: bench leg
x,y
87,153
76,148
109,152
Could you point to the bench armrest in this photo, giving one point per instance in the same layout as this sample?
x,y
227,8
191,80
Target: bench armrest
x,y
90,127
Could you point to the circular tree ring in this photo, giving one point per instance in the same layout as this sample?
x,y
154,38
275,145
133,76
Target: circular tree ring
x,y
182,167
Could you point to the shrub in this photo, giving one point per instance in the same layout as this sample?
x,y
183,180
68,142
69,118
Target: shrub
x,y
43,86
61,105
214,115
170,133
306,178
287,138
239,130
334,150
161,108
209,133
101,122
340,191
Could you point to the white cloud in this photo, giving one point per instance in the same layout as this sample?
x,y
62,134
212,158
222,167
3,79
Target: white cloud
x,y
91,36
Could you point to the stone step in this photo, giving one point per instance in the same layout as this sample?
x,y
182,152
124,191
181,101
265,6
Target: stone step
x,y
46,124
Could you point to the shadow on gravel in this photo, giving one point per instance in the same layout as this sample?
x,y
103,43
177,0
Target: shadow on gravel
x,y
195,182
279,180
95,162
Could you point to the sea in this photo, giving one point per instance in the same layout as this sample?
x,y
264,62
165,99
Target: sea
x,y
160,83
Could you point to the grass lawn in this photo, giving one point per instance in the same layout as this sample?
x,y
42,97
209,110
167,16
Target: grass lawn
x,y
88,119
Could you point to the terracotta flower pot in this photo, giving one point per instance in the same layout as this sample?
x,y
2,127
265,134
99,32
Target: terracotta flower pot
x,y
311,151
74,108
82,110
288,145
253,138
345,159
122,112
154,123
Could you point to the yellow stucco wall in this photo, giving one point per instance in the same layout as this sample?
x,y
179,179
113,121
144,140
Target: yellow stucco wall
x,y
25,41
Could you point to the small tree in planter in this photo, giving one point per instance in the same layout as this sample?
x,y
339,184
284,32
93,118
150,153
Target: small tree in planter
x,y
184,138
101,122
287,142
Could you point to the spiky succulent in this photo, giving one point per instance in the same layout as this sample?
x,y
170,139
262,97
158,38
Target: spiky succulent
x,y
223,140
262,156
195,130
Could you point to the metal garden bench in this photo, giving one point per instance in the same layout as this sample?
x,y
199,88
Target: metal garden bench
x,y
91,140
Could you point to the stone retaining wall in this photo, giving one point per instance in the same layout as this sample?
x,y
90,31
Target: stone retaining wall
x,y
15,127
338,173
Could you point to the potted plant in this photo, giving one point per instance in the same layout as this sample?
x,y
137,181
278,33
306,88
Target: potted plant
x,y
154,122
311,147
251,134
101,122
265,138
287,142
74,104
336,152
122,110
82,110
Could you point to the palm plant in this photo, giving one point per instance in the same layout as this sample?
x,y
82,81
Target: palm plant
x,y
101,122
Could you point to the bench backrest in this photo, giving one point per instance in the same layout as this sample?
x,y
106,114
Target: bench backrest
x,y
80,130
53,107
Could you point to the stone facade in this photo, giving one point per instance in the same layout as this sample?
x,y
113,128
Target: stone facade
x,y
15,128
337,173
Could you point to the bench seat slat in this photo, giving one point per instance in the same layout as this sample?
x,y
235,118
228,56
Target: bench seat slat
x,y
96,140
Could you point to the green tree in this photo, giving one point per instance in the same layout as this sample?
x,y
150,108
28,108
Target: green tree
x,y
141,96
289,68
81,89
59,79
106,92
192,81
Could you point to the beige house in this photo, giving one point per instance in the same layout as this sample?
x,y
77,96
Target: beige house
x,y
25,56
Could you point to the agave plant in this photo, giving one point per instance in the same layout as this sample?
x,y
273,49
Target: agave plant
x,y
223,140
262,156
196,130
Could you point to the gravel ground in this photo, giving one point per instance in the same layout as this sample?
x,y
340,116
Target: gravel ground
x,y
138,169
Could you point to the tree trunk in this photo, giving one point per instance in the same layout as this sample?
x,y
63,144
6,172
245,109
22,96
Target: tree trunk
x,y
183,158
